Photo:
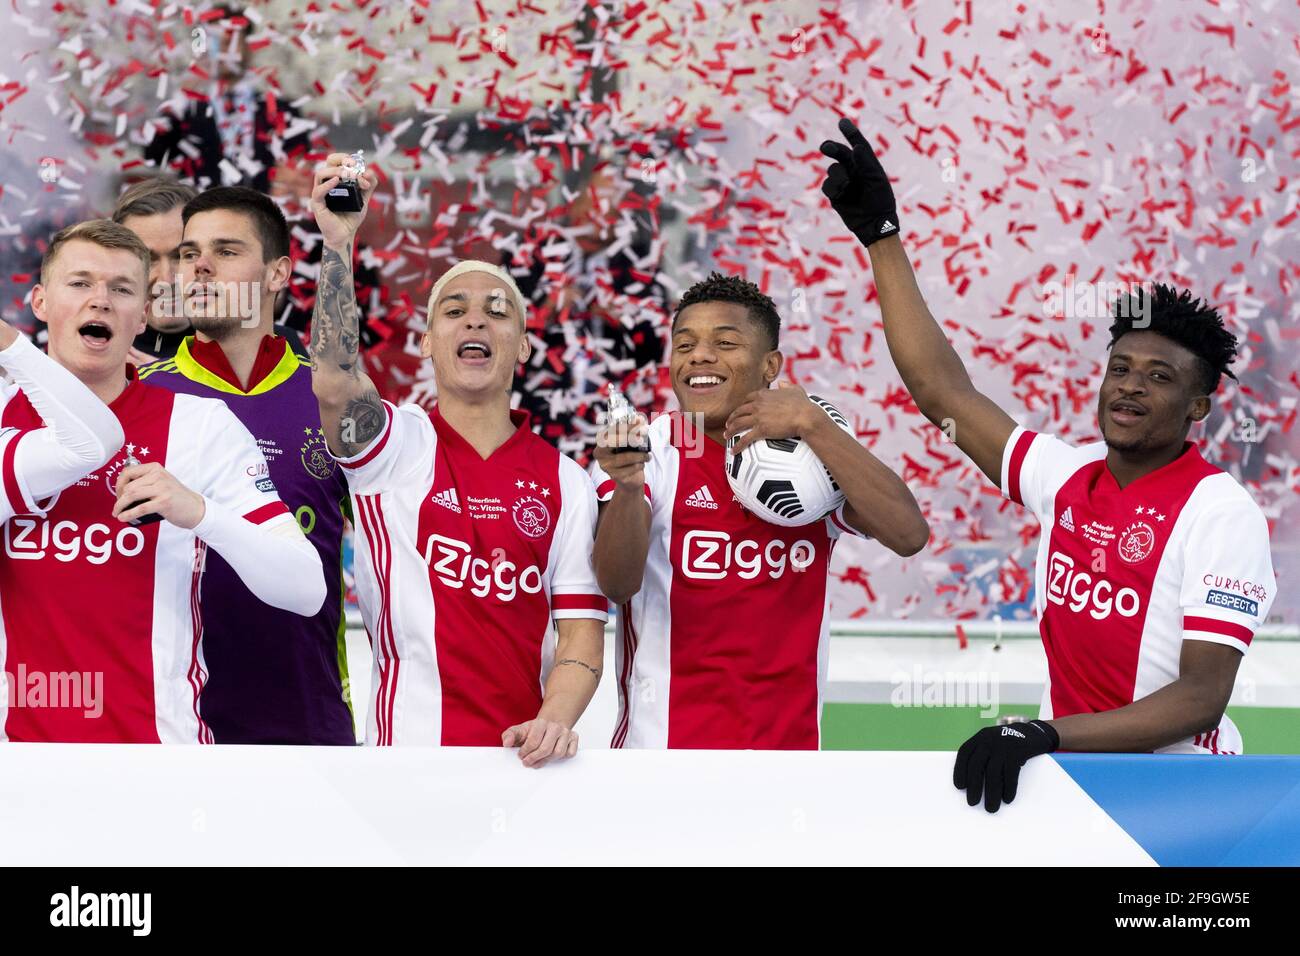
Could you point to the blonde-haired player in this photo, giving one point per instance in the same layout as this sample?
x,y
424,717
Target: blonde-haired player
x,y
474,543
102,583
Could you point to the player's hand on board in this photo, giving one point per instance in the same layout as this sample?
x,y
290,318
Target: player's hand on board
x,y
338,228
540,741
782,412
988,764
625,468
858,188
150,489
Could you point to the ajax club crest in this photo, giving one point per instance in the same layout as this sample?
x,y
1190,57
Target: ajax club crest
x,y
1136,542
134,456
531,517
315,456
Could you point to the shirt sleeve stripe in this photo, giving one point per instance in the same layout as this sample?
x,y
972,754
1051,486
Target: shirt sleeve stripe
x,y
1018,453
1213,626
265,513
605,490
844,525
376,447
12,489
575,602
580,614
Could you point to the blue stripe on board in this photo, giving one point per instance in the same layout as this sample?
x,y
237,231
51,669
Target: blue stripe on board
x,y
1188,810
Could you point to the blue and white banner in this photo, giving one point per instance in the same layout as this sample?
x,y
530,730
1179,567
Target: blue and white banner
x,y
117,805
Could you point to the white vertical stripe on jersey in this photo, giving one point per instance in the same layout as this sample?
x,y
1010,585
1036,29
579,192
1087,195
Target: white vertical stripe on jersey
x,y
178,663
650,676
378,612
4,675
198,672
412,709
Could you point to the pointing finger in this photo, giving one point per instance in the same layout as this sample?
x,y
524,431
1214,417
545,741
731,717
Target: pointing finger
x,y
850,131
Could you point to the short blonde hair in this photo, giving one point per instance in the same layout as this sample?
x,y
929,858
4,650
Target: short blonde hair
x,y
102,232
476,265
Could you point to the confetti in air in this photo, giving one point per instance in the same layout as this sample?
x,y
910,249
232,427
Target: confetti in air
x,y
610,154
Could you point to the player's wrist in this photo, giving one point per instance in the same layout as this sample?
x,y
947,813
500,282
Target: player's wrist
x,y
815,424
206,518
557,709
626,491
1052,737
192,511
886,248
340,244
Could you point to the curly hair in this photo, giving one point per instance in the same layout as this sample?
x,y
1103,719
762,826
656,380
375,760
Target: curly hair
x,y
1190,322
723,288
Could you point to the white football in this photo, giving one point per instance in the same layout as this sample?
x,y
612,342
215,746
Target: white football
x,y
782,481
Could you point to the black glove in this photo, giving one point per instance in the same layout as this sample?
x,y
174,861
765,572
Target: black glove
x,y
858,188
991,760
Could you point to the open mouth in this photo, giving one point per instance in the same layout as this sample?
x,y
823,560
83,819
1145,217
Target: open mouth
x,y
704,382
1126,413
474,352
95,334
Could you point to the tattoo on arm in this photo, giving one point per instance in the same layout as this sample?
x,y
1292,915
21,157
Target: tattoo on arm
x,y
362,421
335,322
336,349
570,660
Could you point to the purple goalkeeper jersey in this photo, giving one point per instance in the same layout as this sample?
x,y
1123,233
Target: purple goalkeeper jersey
x,y
275,677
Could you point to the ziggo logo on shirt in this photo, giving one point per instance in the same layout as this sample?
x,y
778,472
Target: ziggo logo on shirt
x,y
30,539
1065,584
710,556
456,566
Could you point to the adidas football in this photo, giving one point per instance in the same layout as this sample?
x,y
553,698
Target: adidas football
x,y
782,481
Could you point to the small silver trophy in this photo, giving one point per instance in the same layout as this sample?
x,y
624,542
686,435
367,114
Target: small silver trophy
x,y
620,419
131,462
346,195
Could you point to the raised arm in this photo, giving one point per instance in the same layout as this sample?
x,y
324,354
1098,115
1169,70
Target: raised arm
x,y
859,191
81,433
350,408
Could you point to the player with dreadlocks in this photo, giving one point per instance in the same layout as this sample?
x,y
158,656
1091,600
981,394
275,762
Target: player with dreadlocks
x,y
1153,569
723,615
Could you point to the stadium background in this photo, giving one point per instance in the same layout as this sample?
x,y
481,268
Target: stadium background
x,y
619,152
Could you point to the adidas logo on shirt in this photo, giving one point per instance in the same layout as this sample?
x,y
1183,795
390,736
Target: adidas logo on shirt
x,y
447,499
887,227
702,499
1067,520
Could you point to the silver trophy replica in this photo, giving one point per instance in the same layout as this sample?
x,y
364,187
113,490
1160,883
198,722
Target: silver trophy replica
x,y
131,462
346,195
619,419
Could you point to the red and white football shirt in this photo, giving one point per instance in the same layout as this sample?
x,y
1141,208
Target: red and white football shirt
x,y
726,644
462,565
100,636
1124,576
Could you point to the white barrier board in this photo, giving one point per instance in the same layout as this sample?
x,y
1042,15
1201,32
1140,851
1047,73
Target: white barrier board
x,y
74,804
